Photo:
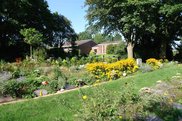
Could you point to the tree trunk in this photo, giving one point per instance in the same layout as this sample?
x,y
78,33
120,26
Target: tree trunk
x,y
31,52
163,48
130,49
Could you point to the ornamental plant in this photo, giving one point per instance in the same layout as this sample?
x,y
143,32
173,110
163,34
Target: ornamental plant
x,y
112,70
104,105
154,63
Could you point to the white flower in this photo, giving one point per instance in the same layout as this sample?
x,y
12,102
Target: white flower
x,y
124,73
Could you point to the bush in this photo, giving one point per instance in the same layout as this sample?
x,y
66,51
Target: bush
x,y
110,49
104,105
73,61
21,89
156,64
112,70
40,54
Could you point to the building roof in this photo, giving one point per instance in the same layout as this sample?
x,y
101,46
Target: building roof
x,y
78,43
81,42
106,43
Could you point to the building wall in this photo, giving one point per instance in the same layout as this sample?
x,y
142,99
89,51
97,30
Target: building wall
x,y
86,47
102,48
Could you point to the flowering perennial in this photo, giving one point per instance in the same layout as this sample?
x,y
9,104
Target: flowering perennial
x,y
112,70
154,63
84,97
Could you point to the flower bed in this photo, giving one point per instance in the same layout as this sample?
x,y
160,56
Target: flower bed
x,y
112,70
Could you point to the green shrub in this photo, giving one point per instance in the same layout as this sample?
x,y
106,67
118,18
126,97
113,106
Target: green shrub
x,y
40,54
88,78
104,105
110,49
54,85
73,61
58,84
21,89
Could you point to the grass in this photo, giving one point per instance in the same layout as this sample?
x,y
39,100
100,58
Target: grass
x,y
52,108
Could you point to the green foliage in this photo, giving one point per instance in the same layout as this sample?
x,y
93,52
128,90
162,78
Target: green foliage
x,y
116,49
110,49
58,84
99,38
106,106
58,73
61,30
84,35
53,107
39,54
117,37
92,53
31,36
101,104
120,49
74,60
97,109
21,89
19,14
149,24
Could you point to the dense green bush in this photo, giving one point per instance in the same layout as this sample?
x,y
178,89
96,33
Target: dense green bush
x,y
21,89
58,84
110,49
40,54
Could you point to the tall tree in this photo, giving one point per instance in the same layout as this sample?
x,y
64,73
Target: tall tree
x,y
84,35
18,14
98,38
136,19
62,30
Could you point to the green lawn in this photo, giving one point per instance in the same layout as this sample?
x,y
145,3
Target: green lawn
x,y
51,108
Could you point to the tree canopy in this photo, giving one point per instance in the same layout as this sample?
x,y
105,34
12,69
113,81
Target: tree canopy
x,y
84,35
139,21
19,14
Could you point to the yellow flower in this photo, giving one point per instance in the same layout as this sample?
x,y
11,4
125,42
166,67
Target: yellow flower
x,y
112,70
95,84
120,117
154,63
41,94
170,100
97,81
84,97
165,94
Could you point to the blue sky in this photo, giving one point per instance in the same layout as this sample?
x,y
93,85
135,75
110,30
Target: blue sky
x,y
74,10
